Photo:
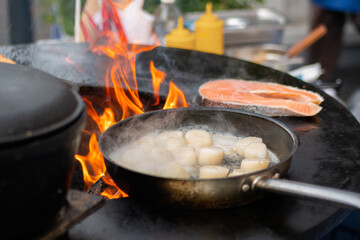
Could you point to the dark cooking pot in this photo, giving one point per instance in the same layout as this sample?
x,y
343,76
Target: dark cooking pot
x,y
213,193
41,119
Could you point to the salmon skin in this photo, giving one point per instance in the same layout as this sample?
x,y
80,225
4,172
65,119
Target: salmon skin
x,y
270,99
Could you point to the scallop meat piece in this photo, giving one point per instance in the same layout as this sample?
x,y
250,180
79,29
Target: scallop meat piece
x,y
172,170
256,150
128,157
146,167
238,172
213,172
146,143
161,138
161,155
198,138
210,156
226,142
173,143
186,156
242,143
254,164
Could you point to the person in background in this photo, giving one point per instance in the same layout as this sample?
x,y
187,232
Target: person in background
x,y
332,13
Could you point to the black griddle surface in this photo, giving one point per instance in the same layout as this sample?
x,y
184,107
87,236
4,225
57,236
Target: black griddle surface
x,y
328,154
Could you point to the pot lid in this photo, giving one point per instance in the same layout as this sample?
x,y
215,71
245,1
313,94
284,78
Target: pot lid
x,y
33,103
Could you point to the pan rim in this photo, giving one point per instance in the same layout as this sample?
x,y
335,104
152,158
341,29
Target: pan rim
x,y
193,108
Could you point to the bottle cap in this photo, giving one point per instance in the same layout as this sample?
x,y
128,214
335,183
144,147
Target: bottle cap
x,y
208,16
180,37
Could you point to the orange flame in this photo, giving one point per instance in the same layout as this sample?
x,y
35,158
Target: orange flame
x,y
4,59
112,192
175,97
94,168
122,100
106,120
92,164
157,78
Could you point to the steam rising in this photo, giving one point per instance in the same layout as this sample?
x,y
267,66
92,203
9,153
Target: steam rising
x,y
140,125
228,124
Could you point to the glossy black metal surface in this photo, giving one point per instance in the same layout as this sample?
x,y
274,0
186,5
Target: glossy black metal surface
x,y
79,205
41,121
328,153
36,177
66,61
33,103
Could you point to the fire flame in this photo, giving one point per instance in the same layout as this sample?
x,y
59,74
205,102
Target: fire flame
x,y
175,98
106,120
94,169
4,59
157,78
121,88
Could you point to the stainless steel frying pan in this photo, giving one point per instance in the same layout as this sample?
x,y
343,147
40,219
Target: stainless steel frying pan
x,y
214,193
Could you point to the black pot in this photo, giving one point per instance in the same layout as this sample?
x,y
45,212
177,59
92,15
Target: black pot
x,y
41,119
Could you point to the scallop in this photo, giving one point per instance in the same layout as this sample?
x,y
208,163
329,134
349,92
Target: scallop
x,y
254,164
213,172
146,143
198,138
256,150
161,138
194,154
192,170
128,158
238,172
173,143
172,170
226,142
161,155
211,156
186,156
147,167
242,143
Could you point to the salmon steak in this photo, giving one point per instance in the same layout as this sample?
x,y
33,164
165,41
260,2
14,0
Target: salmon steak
x,y
270,99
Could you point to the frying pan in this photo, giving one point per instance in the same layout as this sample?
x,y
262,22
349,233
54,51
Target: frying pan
x,y
214,193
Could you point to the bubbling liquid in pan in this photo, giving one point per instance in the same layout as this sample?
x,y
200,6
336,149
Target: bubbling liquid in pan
x,y
194,153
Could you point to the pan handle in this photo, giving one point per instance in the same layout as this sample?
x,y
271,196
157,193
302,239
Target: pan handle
x,y
342,198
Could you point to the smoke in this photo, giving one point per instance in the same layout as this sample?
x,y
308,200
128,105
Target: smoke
x,y
214,120
116,143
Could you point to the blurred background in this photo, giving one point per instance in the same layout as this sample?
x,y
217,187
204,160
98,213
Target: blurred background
x,y
54,19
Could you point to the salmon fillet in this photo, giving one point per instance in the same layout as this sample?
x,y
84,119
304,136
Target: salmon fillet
x,y
270,99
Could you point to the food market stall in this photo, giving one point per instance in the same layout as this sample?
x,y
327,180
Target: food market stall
x,y
327,154
119,80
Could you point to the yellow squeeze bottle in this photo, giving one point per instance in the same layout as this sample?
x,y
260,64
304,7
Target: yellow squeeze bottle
x,y
209,32
180,37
